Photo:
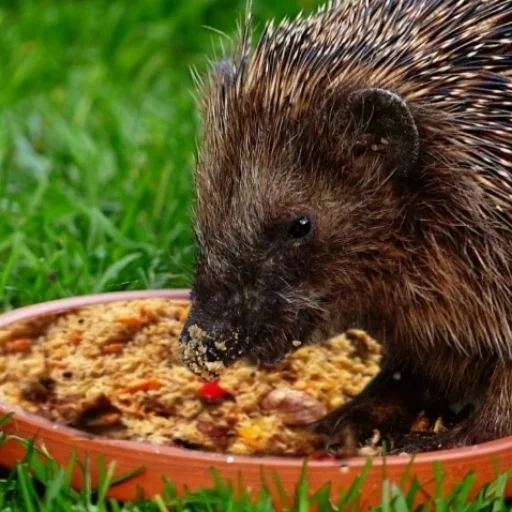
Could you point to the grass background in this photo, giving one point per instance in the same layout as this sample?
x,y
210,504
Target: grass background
x,y
97,140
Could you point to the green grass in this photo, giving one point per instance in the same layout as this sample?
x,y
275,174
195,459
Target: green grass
x,y
97,136
38,484
97,139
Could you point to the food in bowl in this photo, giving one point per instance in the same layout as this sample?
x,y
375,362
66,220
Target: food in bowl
x,y
113,370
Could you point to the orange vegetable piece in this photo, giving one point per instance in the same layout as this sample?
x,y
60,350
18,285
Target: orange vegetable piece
x,y
145,385
130,321
113,348
76,338
19,346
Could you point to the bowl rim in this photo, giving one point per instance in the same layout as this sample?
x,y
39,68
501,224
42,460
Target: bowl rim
x,y
140,448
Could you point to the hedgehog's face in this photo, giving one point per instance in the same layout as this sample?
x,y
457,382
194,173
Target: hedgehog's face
x,y
291,237
253,292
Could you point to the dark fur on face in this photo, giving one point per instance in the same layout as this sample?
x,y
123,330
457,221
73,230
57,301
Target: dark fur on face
x,y
405,181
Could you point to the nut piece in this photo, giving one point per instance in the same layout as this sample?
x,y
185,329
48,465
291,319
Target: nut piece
x,y
439,426
38,390
108,419
294,407
369,451
421,423
211,429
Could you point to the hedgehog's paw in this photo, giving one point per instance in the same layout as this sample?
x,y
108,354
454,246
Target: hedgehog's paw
x,y
358,426
466,433
422,442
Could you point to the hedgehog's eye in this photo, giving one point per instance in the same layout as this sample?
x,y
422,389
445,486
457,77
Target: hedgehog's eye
x,y
300,227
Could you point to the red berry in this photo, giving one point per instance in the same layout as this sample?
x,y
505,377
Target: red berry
x,y
212,392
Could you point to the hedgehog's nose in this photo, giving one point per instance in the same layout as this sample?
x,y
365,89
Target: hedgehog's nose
x,y
211,355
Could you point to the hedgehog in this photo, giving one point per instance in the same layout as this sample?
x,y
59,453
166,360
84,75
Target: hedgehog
x,y
355,171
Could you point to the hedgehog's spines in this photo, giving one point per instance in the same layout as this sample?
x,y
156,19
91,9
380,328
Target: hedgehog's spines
x,y
433,53
439,53
245,33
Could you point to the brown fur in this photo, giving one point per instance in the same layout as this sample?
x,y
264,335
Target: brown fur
x,y
422,259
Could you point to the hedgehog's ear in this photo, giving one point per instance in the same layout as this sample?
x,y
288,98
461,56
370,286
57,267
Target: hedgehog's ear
x,y
384,123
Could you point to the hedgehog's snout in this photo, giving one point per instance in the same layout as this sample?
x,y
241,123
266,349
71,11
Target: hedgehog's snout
x,y
209,341
186,338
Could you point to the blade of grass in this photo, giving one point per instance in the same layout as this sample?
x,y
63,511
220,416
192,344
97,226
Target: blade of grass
x,y
27,493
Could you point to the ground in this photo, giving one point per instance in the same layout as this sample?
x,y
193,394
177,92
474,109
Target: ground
x,y
98,130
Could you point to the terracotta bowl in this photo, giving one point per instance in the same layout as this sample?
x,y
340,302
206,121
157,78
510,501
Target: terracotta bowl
x,y
191,470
